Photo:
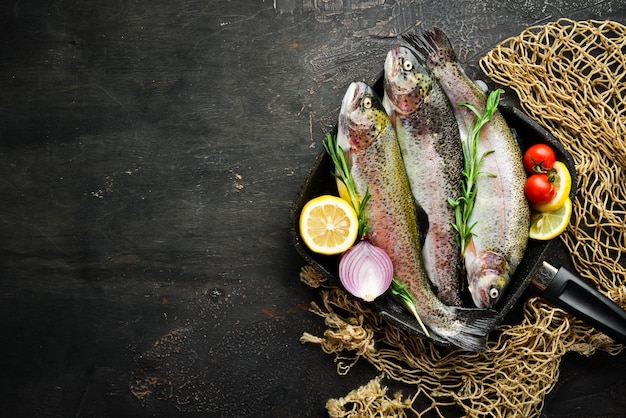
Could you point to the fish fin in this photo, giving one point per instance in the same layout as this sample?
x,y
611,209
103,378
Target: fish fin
x,y
472,328
432,47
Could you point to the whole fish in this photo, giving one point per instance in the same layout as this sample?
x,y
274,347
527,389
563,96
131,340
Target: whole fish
x,y
430,143
367,137
501,213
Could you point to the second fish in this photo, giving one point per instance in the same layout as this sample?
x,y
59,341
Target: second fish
x,y
430,143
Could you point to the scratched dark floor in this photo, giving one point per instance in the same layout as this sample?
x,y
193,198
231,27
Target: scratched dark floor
x,y
150,152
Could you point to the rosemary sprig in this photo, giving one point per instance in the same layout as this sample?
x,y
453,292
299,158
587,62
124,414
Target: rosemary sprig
x,y
464,205
401,292
342,171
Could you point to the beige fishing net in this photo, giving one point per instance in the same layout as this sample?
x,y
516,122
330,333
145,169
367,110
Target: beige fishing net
x,y
570,77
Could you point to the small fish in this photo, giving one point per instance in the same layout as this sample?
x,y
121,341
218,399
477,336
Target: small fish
x,y
366,135
501,212
430,143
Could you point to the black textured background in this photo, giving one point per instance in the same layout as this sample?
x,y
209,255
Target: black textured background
x,y
149,156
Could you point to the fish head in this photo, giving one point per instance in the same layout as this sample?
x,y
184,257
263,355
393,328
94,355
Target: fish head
x,y
361,118
407,82
488,279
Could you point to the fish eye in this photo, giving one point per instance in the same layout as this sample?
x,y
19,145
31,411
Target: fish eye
x,y
407,65
494,293
367,102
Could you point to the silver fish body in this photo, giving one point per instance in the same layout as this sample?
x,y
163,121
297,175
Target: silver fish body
x,y
430,143
367,137
501,212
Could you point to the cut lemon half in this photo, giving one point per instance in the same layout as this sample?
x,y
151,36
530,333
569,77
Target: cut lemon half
x,y
548,225
328,225
562,185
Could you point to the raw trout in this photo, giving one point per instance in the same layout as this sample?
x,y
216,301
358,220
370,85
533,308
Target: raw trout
x,y
367,137
430,143
500,211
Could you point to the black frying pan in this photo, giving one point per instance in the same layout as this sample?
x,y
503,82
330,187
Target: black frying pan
x,y
559,286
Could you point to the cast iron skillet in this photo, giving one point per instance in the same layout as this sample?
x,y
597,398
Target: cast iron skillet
x,y
572,293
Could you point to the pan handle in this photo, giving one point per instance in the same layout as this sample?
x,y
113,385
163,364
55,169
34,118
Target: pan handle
x,y
571,293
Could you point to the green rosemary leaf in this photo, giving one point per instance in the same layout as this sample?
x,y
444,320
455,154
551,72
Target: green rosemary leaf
x,y
401,292
342,171
464,205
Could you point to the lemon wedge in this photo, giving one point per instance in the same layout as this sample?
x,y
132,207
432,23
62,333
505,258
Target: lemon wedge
x,y
550,224
328,225
342,190
562,185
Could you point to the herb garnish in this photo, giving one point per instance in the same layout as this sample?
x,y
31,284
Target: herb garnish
x,y
402,293
464,204
342,171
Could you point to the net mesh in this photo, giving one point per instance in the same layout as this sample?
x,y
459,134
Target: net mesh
x,y
570,77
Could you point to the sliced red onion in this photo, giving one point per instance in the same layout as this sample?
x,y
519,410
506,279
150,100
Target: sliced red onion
x,y
365,271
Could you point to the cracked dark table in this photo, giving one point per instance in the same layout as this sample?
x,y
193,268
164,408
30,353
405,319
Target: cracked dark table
x,y
150,153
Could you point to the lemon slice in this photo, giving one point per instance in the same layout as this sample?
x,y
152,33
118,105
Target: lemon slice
x,y
548,225
562,185
328,225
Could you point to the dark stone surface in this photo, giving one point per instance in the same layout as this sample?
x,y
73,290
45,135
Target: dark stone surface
x,y
149,156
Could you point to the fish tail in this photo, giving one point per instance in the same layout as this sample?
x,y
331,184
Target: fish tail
x,y
471,328
432,47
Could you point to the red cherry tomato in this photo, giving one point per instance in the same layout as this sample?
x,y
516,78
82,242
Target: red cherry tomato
x,y
539,158
538,189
